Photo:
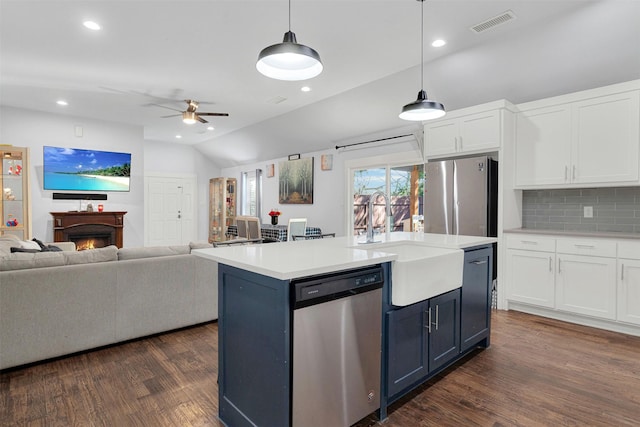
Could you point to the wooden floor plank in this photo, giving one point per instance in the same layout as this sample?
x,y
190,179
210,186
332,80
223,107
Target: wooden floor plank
x,y
537,372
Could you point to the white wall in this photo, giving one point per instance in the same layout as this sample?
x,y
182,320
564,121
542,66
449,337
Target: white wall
x,y
33,129
328,210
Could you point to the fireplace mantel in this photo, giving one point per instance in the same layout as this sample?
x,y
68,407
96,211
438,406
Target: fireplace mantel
x,y
63,222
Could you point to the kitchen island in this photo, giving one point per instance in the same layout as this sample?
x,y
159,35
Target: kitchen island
x,y
256,322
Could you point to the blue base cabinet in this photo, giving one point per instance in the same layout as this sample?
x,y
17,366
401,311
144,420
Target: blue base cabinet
x,y
254,336
475,313
422,339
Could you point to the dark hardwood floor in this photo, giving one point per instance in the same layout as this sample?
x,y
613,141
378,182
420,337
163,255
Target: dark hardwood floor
x,y
537,372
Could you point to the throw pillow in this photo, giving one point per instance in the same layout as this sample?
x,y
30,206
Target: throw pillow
x,y
42,245
31,251
51,248
29,245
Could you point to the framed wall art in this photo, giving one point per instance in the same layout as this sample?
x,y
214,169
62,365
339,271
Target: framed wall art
x,y
326,162
295,181
270,170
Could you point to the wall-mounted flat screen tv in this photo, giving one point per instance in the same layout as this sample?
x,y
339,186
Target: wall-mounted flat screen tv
x,y
85,170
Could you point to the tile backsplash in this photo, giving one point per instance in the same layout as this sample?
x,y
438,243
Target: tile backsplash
x,y
614,209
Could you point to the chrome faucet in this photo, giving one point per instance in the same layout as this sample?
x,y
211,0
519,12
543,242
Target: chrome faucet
x,y
372,200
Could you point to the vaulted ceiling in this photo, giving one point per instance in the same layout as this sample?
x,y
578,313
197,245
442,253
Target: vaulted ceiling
x,y
151,55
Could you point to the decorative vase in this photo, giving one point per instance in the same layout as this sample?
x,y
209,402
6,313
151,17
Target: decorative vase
x,y
274,219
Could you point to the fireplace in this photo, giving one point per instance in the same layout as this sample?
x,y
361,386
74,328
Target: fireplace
x,y
89,230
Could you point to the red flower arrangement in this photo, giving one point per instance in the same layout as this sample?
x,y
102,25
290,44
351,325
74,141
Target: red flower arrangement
x,y
274,214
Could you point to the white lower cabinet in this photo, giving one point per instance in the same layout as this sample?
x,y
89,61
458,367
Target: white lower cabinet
x,y
586,285
531,277
629,282
595,278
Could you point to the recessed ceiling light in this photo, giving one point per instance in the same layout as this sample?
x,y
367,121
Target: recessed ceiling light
x,y
62,102
305,89
438,43
178,136
210,128
92,25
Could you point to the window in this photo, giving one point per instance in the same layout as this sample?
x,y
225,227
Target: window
x,y
251,184
405,185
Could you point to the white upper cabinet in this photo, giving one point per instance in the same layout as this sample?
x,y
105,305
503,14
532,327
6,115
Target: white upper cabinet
x,y
472,130
607,139
593,141
543,150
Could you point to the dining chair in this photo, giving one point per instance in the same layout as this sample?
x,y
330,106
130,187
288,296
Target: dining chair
x,y
241,223
296,227
253,228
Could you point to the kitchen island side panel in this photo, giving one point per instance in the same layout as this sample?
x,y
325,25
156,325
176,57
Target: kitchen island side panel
x,y
254,349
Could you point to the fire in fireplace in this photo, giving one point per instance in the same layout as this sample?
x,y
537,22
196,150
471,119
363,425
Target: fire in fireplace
x,y
95,242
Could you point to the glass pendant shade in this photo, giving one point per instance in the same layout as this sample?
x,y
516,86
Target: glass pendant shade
x,y
422,109
289,60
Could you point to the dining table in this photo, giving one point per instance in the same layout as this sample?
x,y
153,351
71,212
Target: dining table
x,y
276,232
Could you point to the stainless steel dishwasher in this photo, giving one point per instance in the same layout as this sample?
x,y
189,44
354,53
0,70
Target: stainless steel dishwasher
x,y
337,343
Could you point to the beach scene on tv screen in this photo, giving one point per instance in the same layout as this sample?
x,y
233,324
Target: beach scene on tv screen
x,y
86,170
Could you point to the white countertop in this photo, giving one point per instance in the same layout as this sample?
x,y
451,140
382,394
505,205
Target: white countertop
x,y
290,260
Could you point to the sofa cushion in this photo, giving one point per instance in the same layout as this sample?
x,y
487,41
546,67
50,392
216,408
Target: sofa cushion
x,y
109,253
200,245
9,241
152,251
21,260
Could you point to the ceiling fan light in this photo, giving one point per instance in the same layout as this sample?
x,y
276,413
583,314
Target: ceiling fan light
x,y
422,109
289,60
189,117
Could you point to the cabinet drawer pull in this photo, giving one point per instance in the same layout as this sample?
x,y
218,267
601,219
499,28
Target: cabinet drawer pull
x,y
529,242
437,317
559,266
550,264
574,172
478,262
585,246
429,320
622,273
566,172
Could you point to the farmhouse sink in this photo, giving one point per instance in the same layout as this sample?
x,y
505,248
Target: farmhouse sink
x,y
422,272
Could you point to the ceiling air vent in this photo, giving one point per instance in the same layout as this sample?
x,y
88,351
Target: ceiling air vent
x,y
494,22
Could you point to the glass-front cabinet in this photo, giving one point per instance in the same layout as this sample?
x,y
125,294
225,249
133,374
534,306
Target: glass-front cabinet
x,y
15,205
222,207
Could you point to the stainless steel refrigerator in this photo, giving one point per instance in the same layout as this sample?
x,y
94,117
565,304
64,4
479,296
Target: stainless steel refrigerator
x,y
461,197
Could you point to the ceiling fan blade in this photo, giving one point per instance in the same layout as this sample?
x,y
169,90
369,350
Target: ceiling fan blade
x,y
200,119
172,115
164,106
213,114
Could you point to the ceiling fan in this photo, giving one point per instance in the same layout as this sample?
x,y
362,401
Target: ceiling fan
x,y
190,116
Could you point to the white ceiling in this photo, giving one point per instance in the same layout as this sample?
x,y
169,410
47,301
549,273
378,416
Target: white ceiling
x,y
152,52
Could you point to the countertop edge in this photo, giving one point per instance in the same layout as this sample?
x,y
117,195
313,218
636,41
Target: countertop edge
x,y
562,233
377,258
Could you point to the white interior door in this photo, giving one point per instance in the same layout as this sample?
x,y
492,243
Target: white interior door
x,y
169,210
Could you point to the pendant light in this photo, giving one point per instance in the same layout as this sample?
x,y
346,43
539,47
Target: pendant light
x,y
289,60
422,108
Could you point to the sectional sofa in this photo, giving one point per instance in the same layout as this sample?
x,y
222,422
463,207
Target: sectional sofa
x,y
58,303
